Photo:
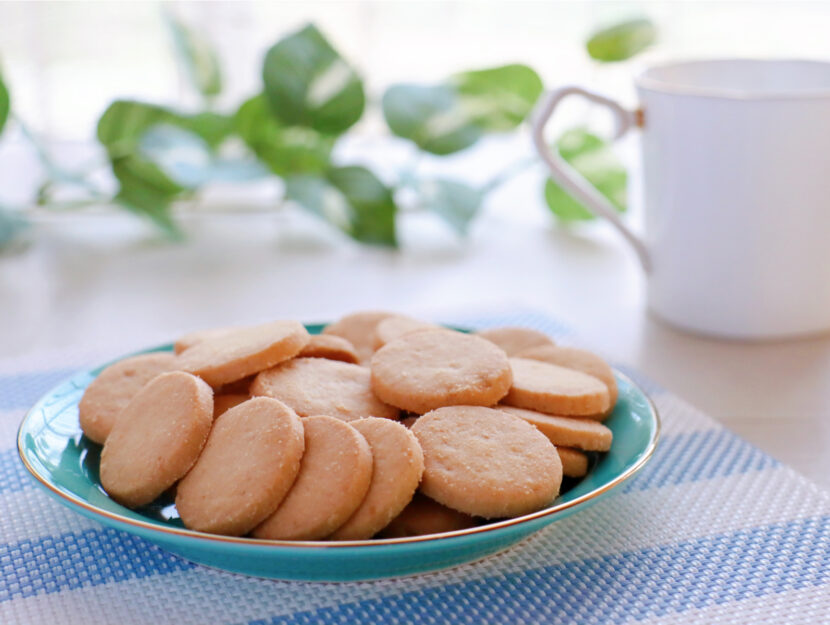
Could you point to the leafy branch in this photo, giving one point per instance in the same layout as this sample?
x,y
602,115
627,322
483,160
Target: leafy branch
x,y
309,99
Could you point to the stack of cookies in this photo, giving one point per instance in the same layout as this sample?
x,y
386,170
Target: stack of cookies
x,y
382,425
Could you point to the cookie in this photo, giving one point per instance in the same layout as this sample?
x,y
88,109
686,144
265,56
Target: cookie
x,y
581,360
397,326
109,393
487,463
192,338
334,477
248,465
223,403
316,386
243,351
396,472
409,421
359,329
429,369
157,438
555,390
574,462
240,387
584,434
515,339
331,347
425,516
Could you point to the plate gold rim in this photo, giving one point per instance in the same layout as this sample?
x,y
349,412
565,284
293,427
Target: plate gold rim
x,y
374,542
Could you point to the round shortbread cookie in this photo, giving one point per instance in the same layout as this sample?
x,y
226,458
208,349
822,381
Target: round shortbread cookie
x,y
426,516
585,434
396,472
581,360
247,466
574,462
397,326
223,403
316,386
241,352
192,338
515,339
335,474
556,390
109,393
487,463
429,369
331,347
157,439
359,329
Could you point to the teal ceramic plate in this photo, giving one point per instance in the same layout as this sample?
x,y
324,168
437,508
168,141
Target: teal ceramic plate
x,y
66,464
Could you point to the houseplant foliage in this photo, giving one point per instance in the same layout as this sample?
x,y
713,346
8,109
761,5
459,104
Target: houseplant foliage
x,y
310,98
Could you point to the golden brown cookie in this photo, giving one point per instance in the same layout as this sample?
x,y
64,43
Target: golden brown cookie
x,y
555,390
581,360
515,339
396,472
574,462
246,468
109,393
359,329
223,403
244,351
316,386
331,347
157,438
585,434
425,370
487,463
334,477
397,326
192,338
425,516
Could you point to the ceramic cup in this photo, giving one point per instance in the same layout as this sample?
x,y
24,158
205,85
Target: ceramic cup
x,y
736,166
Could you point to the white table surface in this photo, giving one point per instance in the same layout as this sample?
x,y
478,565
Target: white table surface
x,y
108,281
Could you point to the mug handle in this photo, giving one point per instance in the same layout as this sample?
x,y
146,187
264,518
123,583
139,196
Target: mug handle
x,y
571,180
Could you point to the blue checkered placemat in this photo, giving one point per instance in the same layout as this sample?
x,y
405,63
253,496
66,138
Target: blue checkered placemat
x,y
711,531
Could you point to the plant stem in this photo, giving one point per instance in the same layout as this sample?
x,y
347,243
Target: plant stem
x,y
55,172
509,172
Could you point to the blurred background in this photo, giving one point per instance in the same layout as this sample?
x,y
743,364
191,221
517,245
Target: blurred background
x,y
67,60
214,233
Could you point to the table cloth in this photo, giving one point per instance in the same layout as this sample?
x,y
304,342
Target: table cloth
x,y
711,531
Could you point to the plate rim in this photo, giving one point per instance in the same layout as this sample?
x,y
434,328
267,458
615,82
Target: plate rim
x,y
187,534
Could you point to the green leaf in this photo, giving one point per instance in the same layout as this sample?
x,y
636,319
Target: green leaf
x,y
197,55
454,202
307,83
498,99
285,150
125,121
146,191
595,160
622,41
350,198
432,117
5,104
11,225
212,127
186,158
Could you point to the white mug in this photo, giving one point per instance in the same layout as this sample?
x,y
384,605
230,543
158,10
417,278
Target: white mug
x,y
736,166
